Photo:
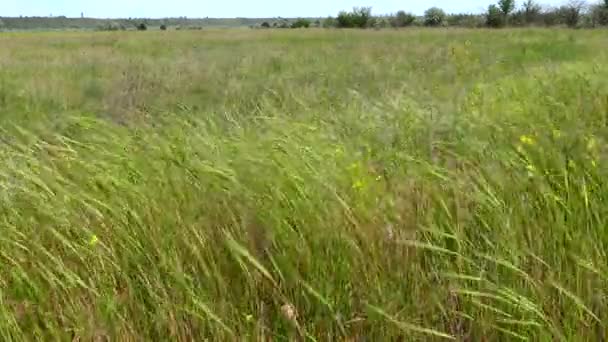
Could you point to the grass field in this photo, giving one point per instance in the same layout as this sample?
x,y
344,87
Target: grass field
x,y
304,185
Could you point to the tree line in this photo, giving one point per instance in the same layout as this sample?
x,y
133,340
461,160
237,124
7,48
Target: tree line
x,y
504,13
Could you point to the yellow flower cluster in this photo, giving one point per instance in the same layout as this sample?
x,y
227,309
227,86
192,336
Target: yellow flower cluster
x,y
527,140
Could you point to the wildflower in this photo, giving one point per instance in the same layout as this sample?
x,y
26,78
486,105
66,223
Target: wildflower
x,y
531,170
358,184
93,241
527,140
557,134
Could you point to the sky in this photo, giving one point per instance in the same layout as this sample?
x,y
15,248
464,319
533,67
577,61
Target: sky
x,y
229,8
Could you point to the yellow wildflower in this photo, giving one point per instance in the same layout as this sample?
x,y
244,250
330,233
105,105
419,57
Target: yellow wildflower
x,y
358,184
94,240
527,140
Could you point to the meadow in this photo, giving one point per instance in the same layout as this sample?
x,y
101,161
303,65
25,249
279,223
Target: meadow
x,y
318,185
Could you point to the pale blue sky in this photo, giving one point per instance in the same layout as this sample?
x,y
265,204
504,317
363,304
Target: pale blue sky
x,y
228,8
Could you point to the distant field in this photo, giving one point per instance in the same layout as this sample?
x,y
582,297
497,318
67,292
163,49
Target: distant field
x,y
304,185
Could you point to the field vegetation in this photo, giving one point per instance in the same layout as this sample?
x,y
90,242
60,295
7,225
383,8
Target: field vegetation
x,y
349,185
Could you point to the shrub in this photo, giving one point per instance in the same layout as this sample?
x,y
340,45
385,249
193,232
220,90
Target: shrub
x,y
112,26
434,16
571,13
403,19
301,23
329,22
531,11
382,23
360,17
142,27
599,15
552,17
265,25
163,27
466,20
495,17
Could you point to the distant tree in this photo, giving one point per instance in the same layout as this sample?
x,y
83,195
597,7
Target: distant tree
x,y
317,23
531,11
403,19
506,7
466,20
434,16
163,27
344,20
329,22
571,12
495,17
359,17
265,25
552,16
142,27
362,16
599,15
383,22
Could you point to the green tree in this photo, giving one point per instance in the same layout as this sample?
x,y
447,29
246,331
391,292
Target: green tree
x,y
359,17
403,19
599,15
434,16
531,11
506,7
571,12
329,22
495,17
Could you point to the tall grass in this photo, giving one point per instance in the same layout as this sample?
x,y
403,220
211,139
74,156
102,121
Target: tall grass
x,y
319,185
